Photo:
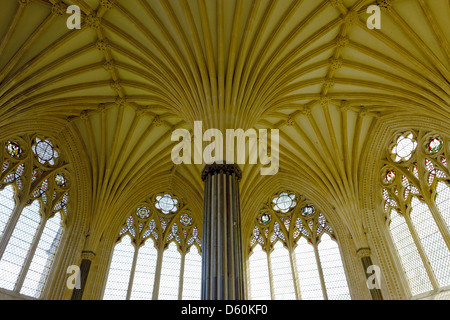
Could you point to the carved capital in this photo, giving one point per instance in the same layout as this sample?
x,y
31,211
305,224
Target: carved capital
x,y
210,169
88,255
363,252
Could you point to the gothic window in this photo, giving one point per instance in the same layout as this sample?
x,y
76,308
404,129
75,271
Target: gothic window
x,y
416,195
293,242
164,254
34,199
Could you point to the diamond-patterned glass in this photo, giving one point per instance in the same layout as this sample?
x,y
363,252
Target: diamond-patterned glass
x,y
18,246
43,258
433,244
283,282
308,273
119,271
144,276
409,255
259,275
192,277
333,269
170,273
443,201
7,205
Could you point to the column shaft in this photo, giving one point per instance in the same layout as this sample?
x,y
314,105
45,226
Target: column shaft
x,y
222,259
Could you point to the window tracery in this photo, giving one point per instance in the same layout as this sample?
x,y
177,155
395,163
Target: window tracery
x,y
34,200
288,232
416,196
162,233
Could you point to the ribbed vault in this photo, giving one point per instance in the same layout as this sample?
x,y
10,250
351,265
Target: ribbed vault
x,y
137,70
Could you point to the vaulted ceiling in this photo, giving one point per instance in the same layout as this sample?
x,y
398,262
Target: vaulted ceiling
x,y
137,70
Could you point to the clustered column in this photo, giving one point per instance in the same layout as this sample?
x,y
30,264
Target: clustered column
x,y
222,251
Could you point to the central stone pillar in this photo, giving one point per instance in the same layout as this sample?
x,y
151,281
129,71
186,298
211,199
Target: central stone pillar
x,y
222,251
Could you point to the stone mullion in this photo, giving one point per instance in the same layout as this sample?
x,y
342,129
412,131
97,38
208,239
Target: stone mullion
x,y
181,277
294,270
421,251
157,280
269,266
132,273
320,270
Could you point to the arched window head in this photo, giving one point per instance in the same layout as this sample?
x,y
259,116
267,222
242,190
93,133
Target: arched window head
x,y
284,202
287,235
415,187
37,183
161,227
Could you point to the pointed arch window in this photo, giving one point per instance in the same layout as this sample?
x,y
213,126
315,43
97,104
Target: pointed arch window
x,y
294,253
161,260
416,193
34,203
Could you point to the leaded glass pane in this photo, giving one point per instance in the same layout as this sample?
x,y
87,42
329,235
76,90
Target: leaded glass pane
x,y
259,275
7,205
308,273
43,258
144,276
18,246
192,278
409,255
283,282
432,241
170,273
333,269
443,201
119,271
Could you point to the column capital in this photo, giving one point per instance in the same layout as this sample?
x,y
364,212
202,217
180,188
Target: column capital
x,y
363,252
221,168
87,255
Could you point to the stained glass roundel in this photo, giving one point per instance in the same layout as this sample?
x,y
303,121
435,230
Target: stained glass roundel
x,y
166,204
284,202
13,149
404,147
186,220
308,210
143,212
435,145
45,151
265,218
390,176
